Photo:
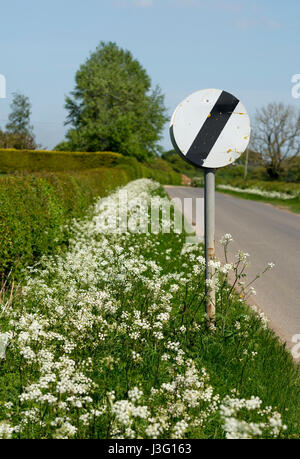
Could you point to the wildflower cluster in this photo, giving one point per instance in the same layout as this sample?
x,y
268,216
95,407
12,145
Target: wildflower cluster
x,y
99,341
259,192
270,424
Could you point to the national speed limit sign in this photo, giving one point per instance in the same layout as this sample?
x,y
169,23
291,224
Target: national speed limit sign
x,y
210,128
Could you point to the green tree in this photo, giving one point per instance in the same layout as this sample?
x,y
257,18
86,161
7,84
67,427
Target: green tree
x,y
19,132
113,107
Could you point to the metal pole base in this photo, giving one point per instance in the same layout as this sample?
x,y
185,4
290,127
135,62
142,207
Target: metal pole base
x,y
209,202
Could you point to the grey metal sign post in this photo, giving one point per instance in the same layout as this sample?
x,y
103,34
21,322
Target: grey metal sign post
x,y
210,129
209,237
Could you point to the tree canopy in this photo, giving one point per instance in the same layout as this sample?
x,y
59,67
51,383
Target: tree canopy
x,y
276,136
19,133
113,106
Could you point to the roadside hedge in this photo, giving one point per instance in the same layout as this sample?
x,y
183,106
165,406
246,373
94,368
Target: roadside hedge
x,y
12,161
35,208
54,161
137,170
41,191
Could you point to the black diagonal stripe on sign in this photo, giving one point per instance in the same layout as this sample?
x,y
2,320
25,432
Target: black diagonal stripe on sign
x,y
212,128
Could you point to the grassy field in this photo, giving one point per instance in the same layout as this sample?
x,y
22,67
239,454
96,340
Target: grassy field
x,y
110,340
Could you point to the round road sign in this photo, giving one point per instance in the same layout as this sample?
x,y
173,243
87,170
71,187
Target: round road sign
x,y
210,128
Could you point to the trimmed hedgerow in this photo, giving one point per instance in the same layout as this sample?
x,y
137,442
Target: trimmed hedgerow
x,y
12,161
47,189
53,161
139,170
34,211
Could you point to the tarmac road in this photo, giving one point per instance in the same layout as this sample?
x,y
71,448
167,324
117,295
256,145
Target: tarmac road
x,y
268,234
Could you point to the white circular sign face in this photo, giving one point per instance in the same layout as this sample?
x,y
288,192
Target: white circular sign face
x,y
210,128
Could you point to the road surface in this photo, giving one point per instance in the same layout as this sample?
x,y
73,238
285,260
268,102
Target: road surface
x,y
268,234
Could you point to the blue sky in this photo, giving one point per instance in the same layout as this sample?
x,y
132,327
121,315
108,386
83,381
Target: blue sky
x,y
249,48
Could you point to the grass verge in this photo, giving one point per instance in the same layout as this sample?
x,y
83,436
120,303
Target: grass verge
x,y
35,210
36,207
292,205
110,340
